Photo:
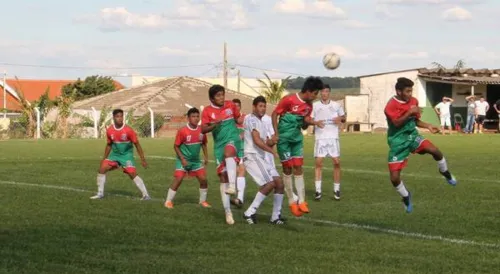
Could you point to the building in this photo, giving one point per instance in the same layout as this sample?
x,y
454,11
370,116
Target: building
x,y
430,87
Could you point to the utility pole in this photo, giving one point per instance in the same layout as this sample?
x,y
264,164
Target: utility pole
x,y
4,94
225,65
239,81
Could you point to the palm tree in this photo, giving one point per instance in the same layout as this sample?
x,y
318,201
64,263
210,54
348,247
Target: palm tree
x,y
273,90
459,65
63,104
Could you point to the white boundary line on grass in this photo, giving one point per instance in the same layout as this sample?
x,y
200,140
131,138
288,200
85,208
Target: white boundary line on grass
x,y
351,226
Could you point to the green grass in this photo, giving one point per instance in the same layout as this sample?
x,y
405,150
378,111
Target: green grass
x,y
59,230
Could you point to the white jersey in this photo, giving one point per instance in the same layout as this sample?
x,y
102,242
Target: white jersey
x,y
326,113
250,124
268,123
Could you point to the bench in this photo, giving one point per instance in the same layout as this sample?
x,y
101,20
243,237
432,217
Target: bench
x,y
349,126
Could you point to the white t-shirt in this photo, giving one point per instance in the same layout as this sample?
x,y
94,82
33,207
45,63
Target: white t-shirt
x,y
444,109
268,124
481,107
326,113
252,123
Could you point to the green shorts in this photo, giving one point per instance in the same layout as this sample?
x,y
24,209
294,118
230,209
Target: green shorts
x,y
398,154
126,162
192,169
234,147
291,153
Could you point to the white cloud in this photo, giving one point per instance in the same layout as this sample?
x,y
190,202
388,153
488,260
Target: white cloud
x,y
408,55
411,2
179,52
355,24
324,8
318,52
457,14
112,19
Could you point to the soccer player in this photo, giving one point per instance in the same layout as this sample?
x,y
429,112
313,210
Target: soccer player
x,y
220,118
119,152
294,112
327,139
188,143
264,174
240,180
403,118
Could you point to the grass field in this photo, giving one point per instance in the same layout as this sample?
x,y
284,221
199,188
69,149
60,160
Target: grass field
x,y
49,225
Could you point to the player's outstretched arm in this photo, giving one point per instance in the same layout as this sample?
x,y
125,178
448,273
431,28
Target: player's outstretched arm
x,y
309,121
260,143
141,154
430,127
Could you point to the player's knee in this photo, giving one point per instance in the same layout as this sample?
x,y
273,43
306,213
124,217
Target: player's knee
x,y
336,162
395,178
287,170
203,183
132,174
297,170
319,164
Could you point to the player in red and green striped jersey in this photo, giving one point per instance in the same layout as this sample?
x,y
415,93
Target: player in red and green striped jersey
x,y
403,118
240,180
119,152
188,143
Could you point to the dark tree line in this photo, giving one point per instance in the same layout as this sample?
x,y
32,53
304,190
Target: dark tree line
x,y
334,82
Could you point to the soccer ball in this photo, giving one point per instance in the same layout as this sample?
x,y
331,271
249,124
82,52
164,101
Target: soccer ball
x,y
331,61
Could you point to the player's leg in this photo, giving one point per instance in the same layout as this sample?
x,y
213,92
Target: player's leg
x,y
106,165
278,197
256,167
397,159
318,171
297,150
448,124
172,190
335,153
201,175
230,159
284,152
223,178
240,180
132,173
426,147
443,124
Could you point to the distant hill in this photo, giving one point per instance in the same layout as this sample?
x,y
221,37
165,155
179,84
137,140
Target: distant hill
x,y
334,82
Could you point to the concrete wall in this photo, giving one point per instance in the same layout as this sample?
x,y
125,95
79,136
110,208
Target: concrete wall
x,y
380,88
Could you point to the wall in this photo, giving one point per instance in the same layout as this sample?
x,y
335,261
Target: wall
x,y
380,88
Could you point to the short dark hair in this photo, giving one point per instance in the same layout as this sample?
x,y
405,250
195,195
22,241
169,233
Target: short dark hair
x,y
327,86
312,84
192,111
259,99
237,101
403,83
117,111
214,90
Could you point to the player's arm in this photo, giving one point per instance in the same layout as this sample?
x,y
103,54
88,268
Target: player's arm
x,y
430,127
107,149
309,121
436,109
260,143
133,138
179,140
397,120
204,147
469,97
449,99
207,124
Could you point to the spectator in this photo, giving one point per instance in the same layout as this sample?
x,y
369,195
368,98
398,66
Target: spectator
x,y
471,116
443,110
497,108
482,108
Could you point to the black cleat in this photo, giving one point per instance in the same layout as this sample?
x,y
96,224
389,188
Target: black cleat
x,y
251,220
336,195
317,196
278,221
237,203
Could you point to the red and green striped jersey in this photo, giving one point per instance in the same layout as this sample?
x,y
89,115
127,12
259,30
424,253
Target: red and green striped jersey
x,y
227,131
394,110
190,140
292,111
122,139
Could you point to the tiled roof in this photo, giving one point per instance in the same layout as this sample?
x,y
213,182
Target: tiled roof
x,y
462,76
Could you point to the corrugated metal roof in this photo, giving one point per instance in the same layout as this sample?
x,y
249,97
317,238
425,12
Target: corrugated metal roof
x,y
469,80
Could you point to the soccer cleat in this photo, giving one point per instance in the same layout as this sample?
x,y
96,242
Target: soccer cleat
x,y
205,204
303,207
145,198
336,195
278,221
237,202
229,218
452,181
251,220
169,204
294,208
97,197
408,203
231,189
317,196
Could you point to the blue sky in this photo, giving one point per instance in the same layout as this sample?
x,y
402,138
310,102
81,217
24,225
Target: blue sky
x,y
111,37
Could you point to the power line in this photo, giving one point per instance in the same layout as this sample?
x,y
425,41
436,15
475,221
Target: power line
x,y
271,70
207,71
102,68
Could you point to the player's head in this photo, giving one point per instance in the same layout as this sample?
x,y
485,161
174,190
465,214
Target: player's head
x,y
325,93
193,116
481,99
311,88
217,95
118,117
259,106
404,89
237,102
444,99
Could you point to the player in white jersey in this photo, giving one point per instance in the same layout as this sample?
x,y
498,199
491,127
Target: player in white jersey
x,y
327,139
257,143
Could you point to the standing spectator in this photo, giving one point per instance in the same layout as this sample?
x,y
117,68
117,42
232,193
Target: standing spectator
x,y
497,108
482,108
471,114
443,110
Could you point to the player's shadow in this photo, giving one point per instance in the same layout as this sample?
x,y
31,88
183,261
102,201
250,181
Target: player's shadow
x,y
125,194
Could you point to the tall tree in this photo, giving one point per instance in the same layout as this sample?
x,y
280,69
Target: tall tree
x,y
90,87
273,90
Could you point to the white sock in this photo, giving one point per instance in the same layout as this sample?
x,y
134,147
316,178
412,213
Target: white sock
x,y
318,186
442,165
231,168
101,180
287,182
225,198
401,189
171,195
203,194
336,187
277,202
240,185
140,185
301,189
259,198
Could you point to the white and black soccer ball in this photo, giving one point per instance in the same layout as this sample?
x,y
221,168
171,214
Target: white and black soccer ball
x,y
331,61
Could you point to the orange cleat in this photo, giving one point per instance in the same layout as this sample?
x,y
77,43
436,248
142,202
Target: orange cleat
x,y
294,208
205,204
169,204
303,207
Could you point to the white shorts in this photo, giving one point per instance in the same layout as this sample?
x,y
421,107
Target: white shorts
x,y
327,148
445,121
260,170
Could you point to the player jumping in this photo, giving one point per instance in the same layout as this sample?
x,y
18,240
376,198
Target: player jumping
x,y
240,180
403,118
188,143
327,139
220,119
119,152
264,174
294,111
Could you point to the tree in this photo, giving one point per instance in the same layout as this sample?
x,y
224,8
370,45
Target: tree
x,y
273,90
90,87
63,104
459,65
